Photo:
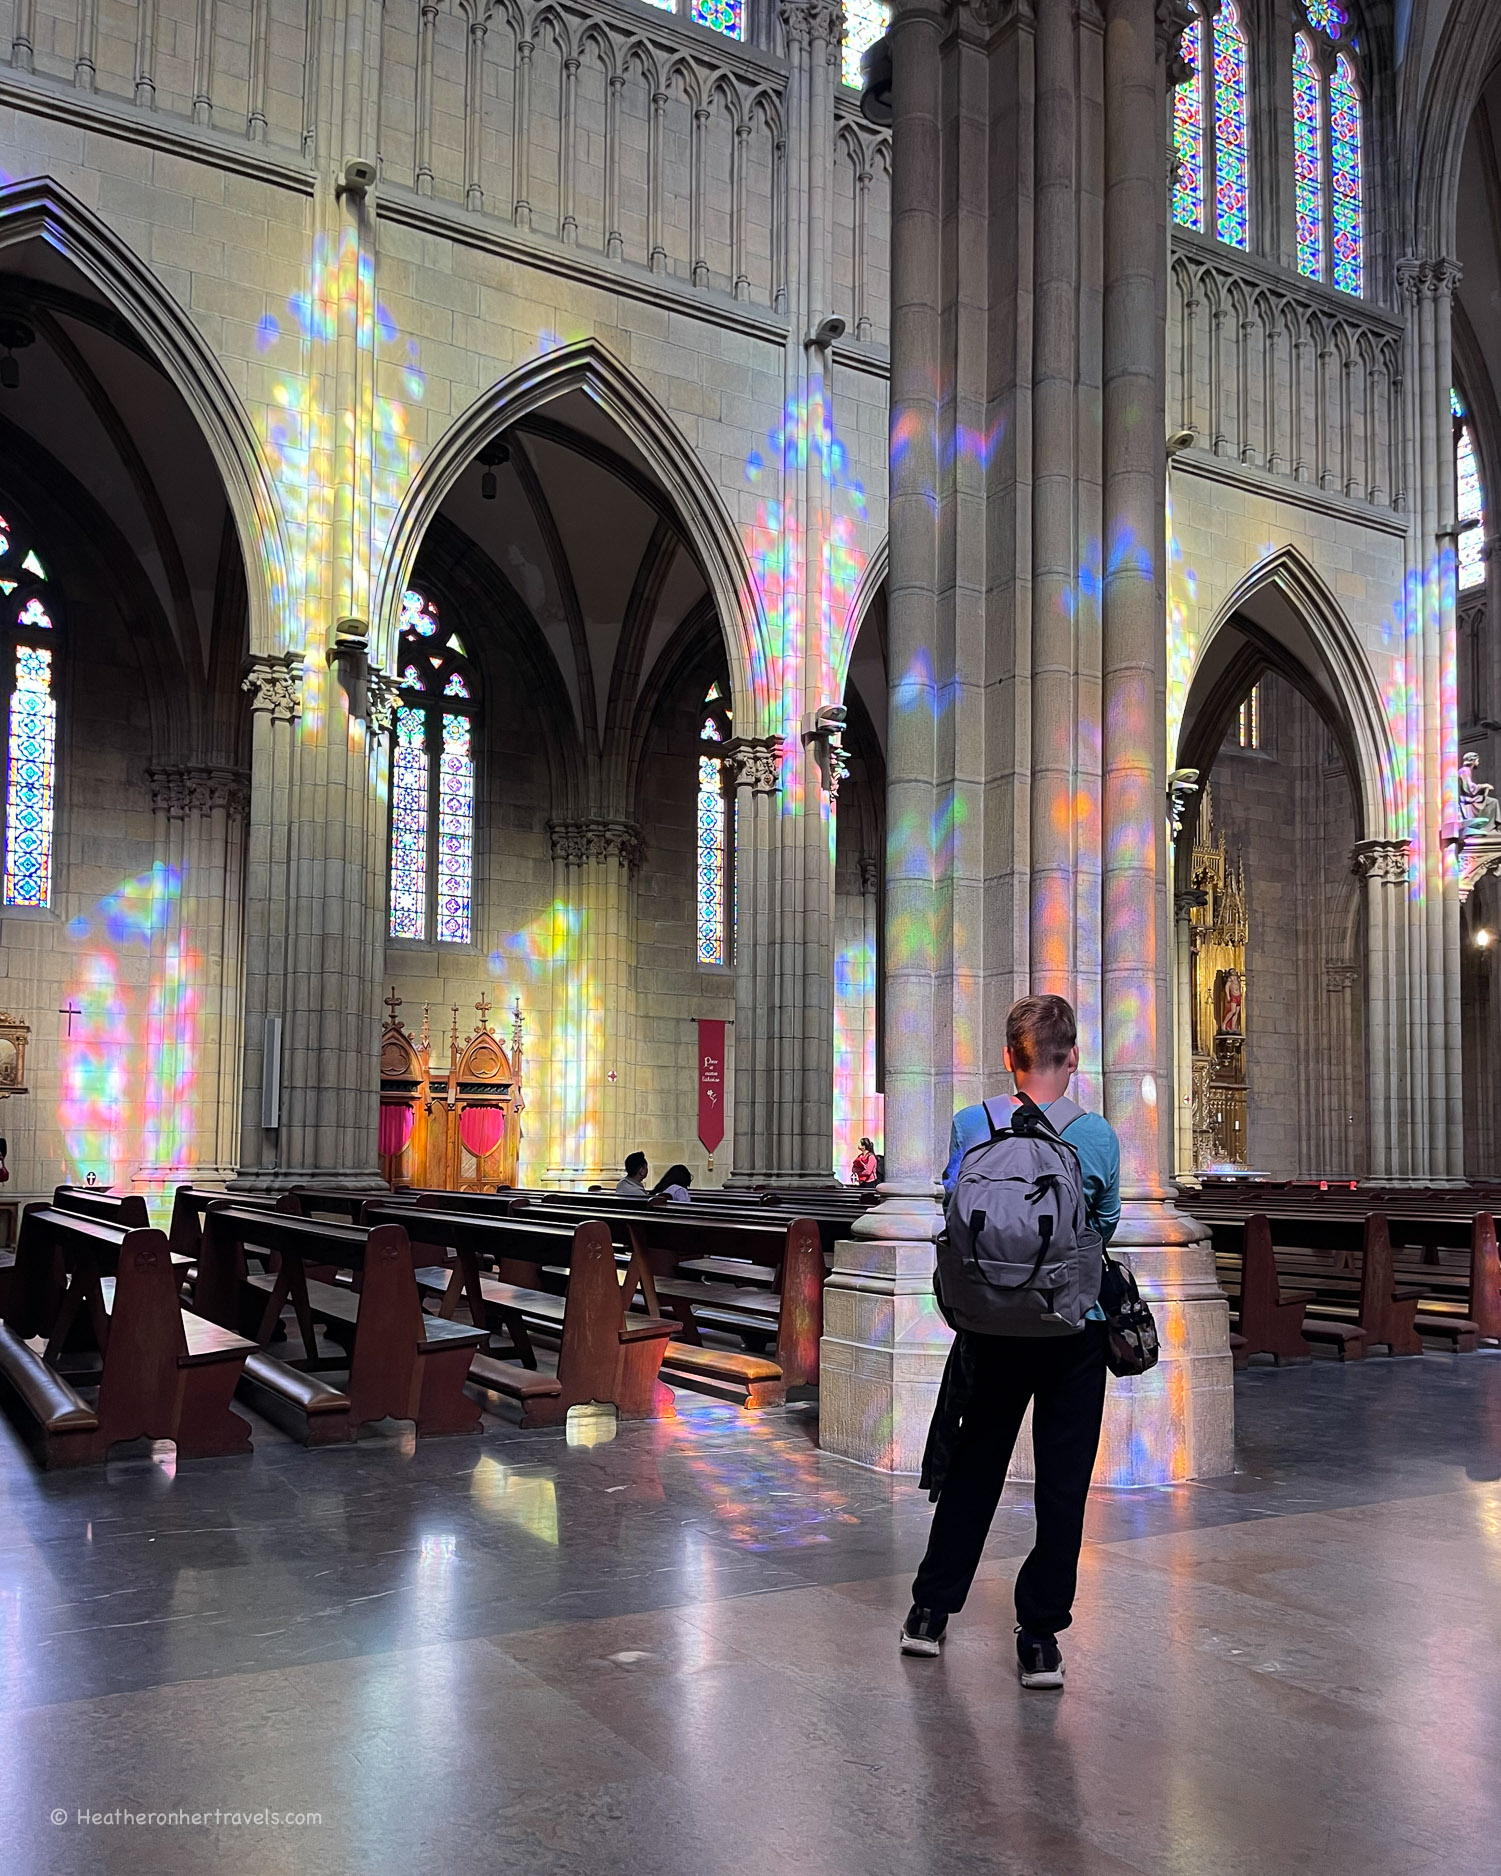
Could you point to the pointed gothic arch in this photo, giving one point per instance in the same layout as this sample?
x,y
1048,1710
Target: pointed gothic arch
x,y
698,504
1283,617
39,208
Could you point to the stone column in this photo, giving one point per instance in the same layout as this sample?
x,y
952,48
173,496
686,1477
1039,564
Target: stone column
x,y
315,905
197,958
785,865
884,1344
592,1059
1178,1420
1027,799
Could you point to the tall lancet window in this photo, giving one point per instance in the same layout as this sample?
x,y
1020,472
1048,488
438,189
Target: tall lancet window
x,y
714,867
432,781
1469,502
1328,146
31,722
1211,142
864,22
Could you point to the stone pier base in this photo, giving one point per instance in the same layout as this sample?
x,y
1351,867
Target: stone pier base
x,y
884,1346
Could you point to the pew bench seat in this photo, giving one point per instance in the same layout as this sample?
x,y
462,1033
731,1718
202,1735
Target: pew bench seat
x,y
302,1404
731,1270
725,1374
56,1422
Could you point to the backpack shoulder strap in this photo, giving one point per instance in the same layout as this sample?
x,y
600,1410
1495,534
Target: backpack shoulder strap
x,y
1063,1112
998,1115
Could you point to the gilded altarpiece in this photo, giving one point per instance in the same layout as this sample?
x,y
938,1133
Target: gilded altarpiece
x,y
1217,931
457,1130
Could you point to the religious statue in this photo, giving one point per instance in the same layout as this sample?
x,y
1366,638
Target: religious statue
x,y
1479,808
1232,1001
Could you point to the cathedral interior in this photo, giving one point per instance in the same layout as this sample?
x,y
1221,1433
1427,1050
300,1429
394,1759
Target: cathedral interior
x,y
594,578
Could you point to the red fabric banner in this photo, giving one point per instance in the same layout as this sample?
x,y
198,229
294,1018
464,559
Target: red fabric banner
x,y
480,1128
710,1082
396,1123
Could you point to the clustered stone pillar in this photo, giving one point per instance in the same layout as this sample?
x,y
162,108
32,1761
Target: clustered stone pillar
x,y
1417,1111
1027,800
197,953
591,1068
314,904
784,1006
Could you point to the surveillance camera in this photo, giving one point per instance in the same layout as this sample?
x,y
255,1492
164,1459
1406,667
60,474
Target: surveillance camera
x,y
827,332
1180,439
826,720
359,175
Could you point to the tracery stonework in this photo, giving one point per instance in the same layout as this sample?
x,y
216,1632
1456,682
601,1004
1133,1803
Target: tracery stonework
x,y
1386,861
756,762
275,684
576,843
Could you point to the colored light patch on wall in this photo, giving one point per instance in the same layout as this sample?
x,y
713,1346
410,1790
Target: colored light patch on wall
x,y
854,1050
129,1066
325,474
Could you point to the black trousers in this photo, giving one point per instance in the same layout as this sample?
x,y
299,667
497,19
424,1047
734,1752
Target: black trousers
x,y
1064,1379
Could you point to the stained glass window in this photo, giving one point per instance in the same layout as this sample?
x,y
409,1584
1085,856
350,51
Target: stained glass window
x,y
455,832
31,726
1232,189
409,826
432,783
1344,169
1308,159
713,864
1324,14
1250,719
864,22
1469,501
1188,132
721,16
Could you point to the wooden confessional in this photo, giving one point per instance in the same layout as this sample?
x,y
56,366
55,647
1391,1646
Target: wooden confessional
x,y
453,1131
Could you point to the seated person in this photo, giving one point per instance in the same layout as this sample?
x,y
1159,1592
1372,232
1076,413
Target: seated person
x,y
633,1186
863,1171
673,1184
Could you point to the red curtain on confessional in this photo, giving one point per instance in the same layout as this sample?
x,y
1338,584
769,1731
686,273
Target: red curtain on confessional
x,y
480,1128
396,1125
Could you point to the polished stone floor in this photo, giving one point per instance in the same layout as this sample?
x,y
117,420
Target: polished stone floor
x,y
674,1651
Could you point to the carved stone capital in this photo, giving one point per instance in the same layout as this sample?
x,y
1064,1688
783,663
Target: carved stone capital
x,y
1341,975
179,789
839,768
598,842
803,21
870,874
755,762
382,694
1385,861
275,685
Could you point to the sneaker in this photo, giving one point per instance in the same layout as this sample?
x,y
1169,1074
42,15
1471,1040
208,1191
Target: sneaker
x,y
1038,1660
922,1632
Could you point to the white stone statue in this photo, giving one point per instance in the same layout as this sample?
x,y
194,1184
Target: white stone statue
x,y
1479,808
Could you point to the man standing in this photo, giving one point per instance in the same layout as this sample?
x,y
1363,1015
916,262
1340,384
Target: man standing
x,y
633,1186
990,1379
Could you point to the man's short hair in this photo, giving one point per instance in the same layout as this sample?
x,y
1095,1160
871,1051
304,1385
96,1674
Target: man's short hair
x,y
635,1165
1040,1033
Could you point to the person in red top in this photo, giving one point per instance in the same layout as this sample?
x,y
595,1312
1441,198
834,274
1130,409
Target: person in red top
x,y
864,1169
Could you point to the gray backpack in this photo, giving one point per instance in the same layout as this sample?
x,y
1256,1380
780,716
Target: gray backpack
x,y
1018,1255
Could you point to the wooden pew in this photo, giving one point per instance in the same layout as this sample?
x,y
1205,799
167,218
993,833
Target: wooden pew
x,y
1321,1253
753,1379
605,1353
189,1203
115,1208
402,1363
791,1316
1271,1323
163,1373
1485,1278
